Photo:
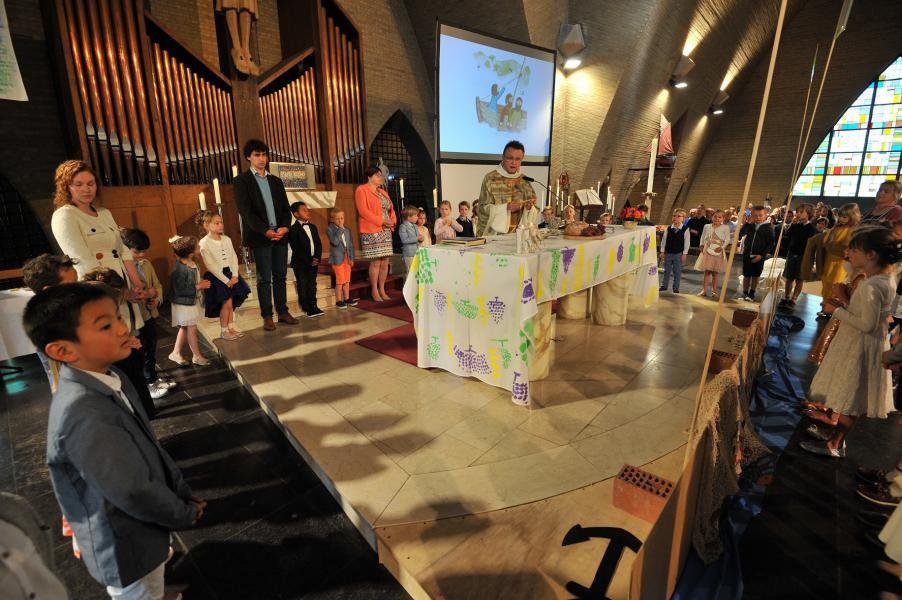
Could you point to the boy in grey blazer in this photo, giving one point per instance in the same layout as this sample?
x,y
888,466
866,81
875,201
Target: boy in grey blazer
x,y
120,491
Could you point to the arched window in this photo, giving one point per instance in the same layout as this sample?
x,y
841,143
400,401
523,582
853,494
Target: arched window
x,y
863,148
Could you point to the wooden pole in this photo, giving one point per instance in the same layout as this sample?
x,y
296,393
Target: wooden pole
x,y
719,309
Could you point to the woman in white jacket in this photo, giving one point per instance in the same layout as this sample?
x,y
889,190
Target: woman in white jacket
x,y
88,233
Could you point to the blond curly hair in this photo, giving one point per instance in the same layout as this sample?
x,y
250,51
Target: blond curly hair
x,y
65,173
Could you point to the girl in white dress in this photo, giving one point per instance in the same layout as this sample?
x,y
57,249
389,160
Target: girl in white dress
x,y
851,380
712,259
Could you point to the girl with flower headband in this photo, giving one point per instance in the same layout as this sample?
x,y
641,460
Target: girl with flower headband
x,y
186,296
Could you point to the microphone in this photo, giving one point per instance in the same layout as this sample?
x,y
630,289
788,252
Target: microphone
x,y
551,194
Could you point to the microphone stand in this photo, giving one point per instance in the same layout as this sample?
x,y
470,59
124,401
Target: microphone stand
x,y
529,179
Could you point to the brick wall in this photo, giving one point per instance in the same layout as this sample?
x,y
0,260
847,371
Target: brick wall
x,y
395,75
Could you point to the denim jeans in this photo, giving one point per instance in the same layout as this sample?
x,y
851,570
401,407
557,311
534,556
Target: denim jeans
x,y
673,263
150,587
272,267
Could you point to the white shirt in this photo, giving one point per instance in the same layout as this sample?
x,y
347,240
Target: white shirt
x,y
305,227
112,381
217,255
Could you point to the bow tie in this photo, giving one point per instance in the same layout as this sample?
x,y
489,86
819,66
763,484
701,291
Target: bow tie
x,y
305,223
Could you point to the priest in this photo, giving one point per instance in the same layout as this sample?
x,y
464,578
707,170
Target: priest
x,y
504,194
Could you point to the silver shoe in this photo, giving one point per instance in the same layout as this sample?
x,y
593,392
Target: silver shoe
x,y
815,432
823,450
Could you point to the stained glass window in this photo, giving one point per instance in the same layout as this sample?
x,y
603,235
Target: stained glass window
x,y
864,147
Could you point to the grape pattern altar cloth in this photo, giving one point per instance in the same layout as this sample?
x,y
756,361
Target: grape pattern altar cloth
x,y
481,311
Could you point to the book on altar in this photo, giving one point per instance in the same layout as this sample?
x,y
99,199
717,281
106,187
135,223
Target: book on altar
x,y
588,197
465,241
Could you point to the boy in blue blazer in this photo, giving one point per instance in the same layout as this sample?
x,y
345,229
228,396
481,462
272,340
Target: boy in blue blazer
x,y
120,491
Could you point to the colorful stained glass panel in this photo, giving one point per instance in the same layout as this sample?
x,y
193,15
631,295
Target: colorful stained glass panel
x,y
880,163
841,185
854,118
887,115
888,92
871,183
848,141
894,71
808,185
885,140
846,163
864,147
816,165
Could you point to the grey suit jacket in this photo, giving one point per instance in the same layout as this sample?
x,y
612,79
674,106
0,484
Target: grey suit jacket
x,y
120,491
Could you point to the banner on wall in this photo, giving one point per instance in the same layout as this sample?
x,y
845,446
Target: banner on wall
x,y
11,86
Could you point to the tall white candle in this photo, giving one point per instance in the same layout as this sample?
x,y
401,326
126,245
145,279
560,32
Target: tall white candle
x,y
435,197
216,191
234,170
651,165
203,202
598,189
402,188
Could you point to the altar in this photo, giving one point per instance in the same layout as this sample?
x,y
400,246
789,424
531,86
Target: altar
x,y
485,311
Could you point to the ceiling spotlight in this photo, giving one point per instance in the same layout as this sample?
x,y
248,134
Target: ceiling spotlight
x,y
572,63
716,110
679,83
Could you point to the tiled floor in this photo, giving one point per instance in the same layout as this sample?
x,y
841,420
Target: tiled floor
x,y
408,448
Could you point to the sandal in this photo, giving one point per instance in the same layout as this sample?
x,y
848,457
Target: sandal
x,y
825,417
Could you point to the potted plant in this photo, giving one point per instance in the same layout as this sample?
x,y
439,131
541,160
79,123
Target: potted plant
x,y
630,217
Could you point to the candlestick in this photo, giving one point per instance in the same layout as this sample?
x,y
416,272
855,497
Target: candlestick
x,y
651,165
402,188
234,170
203,202
435,197
216,191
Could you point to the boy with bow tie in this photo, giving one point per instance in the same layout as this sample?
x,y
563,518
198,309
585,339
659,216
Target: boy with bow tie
x,y
306,249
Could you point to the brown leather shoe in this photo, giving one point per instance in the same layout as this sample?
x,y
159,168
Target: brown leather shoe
x,y
287,319
268,325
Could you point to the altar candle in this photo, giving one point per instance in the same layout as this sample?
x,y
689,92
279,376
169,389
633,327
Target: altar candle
x,y
216,191
435,197
651,165
402,188
234,170
203,202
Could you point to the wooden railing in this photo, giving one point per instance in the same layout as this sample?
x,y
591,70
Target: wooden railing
x,y
290,119
112,105
195,104
343,87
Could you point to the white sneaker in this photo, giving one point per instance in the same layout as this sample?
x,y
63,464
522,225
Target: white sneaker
x,y
228,335
236,331
157,390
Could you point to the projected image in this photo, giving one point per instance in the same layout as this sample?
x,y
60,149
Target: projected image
x,y
512,115
490,92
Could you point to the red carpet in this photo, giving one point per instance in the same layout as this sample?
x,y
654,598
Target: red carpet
x,y
395,307
399,343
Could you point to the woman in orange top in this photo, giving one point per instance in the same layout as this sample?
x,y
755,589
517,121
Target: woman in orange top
x,y
375,220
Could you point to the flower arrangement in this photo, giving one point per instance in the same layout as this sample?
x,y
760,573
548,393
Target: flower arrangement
x,y
631,214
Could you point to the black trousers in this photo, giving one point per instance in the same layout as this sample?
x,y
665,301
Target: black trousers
x,y
133,367
305,280
148,337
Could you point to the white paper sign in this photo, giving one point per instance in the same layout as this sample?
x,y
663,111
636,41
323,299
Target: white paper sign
x,y
11,86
